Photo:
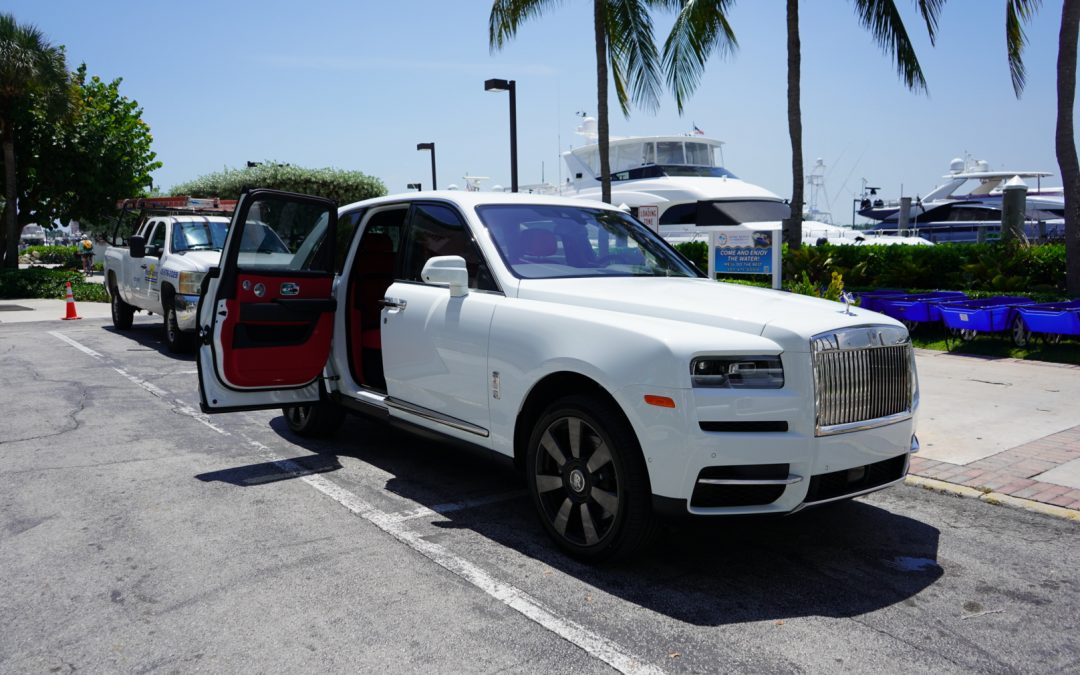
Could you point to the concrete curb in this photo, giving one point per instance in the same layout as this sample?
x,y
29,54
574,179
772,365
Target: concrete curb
x,y
992,497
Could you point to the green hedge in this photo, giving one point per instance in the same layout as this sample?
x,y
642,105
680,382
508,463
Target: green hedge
x,y
978,268
342,186
41,282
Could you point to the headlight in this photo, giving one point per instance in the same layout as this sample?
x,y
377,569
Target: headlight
x,y
738,372
190,282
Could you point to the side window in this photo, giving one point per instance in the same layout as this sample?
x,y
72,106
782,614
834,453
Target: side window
x,y
346,226
155,245
436,230
287,235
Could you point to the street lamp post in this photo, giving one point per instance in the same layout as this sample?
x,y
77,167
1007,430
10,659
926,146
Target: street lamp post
x,y
509,85
431,147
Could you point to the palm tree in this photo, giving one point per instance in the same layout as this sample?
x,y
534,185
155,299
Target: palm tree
x,y
623,33
880,17
29,67
1017,13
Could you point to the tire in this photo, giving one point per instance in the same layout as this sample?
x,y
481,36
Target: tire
x,y
122,313
315,420
596,502
1021,336
176,340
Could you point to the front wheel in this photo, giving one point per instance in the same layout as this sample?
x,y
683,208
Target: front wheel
x,y
122,313
176,340
314,420
588,480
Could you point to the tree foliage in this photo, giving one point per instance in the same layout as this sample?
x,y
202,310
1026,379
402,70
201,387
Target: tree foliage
x,y
78,166
31,69
342,186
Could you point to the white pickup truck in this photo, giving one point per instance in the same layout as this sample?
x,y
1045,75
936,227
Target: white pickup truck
x,y
160,266
567,337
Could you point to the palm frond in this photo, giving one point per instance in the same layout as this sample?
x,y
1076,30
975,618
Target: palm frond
x,y
883,21
1018,13
930,10
635,63
507,15
701,27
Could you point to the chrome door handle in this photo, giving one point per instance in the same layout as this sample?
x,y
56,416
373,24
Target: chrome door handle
x,y
393,303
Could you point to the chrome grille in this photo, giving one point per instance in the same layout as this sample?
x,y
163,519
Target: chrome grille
x,y
863,377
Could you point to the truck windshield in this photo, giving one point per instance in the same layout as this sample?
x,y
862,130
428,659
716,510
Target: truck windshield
x,y
199,236
553,242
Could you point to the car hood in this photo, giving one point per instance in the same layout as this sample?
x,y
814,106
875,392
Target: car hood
x,y
788,319
196,261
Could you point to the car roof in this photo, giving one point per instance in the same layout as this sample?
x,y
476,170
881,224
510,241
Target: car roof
x,y
466,199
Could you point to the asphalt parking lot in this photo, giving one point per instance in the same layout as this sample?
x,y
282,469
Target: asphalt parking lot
x,y
138,535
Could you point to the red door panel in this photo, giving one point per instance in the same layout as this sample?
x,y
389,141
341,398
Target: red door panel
x,y
272,339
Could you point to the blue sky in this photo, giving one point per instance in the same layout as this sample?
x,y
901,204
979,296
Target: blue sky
x,y
356,85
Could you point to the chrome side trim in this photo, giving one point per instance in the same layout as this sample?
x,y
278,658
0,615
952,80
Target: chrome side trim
x,y
437,417
864,425
790,480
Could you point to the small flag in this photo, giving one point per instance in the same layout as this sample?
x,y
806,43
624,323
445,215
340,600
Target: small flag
x,y
698,131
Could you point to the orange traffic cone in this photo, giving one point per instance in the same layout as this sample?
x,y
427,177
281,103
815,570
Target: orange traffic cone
x,y
71,313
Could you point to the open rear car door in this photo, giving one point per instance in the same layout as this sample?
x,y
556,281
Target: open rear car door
x,y
266,314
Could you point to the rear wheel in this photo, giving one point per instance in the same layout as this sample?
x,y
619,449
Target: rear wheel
x,y
588,480
314,420
122,313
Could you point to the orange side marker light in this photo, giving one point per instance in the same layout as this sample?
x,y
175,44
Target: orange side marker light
x,y
660,401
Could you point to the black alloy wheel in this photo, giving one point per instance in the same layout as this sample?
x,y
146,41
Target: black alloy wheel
x,y
588,480
314,420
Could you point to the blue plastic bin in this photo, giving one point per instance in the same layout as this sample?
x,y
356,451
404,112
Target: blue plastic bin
x,y
872,300
1059,318
919,307
988,315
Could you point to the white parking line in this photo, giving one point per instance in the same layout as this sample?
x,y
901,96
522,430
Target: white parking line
x,y
394,525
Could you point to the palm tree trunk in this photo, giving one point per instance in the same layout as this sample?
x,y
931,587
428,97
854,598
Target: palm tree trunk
x,y
600,28
1066,142
10,250
793,225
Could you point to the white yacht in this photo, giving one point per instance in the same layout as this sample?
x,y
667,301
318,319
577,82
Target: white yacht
x,y
684,178
968,180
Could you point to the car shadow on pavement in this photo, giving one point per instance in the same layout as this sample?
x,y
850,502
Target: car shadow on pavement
x,y
150,336
271,472
838,560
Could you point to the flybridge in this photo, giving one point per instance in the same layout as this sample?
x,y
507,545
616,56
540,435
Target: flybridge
x,y
182,202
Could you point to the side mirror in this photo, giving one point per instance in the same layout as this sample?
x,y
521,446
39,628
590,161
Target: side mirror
x,y
137,245
450,270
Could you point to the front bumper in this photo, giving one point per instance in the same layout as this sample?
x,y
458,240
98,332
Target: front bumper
x,y
766,460
186,307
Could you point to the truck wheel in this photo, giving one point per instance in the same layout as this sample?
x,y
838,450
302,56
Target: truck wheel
x,y
588,480
314,420
176,340
122,313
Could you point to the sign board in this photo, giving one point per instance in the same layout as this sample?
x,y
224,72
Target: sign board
x,y
740,250
650,217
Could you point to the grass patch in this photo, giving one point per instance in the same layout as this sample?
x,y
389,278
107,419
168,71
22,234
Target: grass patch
x,y
997,345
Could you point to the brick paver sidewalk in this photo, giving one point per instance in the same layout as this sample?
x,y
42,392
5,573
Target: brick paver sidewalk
x,y
1012,471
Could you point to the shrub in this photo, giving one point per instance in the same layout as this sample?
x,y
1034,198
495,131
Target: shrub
x,y
342,186
697,252
40,282
53,255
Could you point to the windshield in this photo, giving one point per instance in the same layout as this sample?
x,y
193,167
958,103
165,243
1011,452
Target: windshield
x,y
553,242
197,235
